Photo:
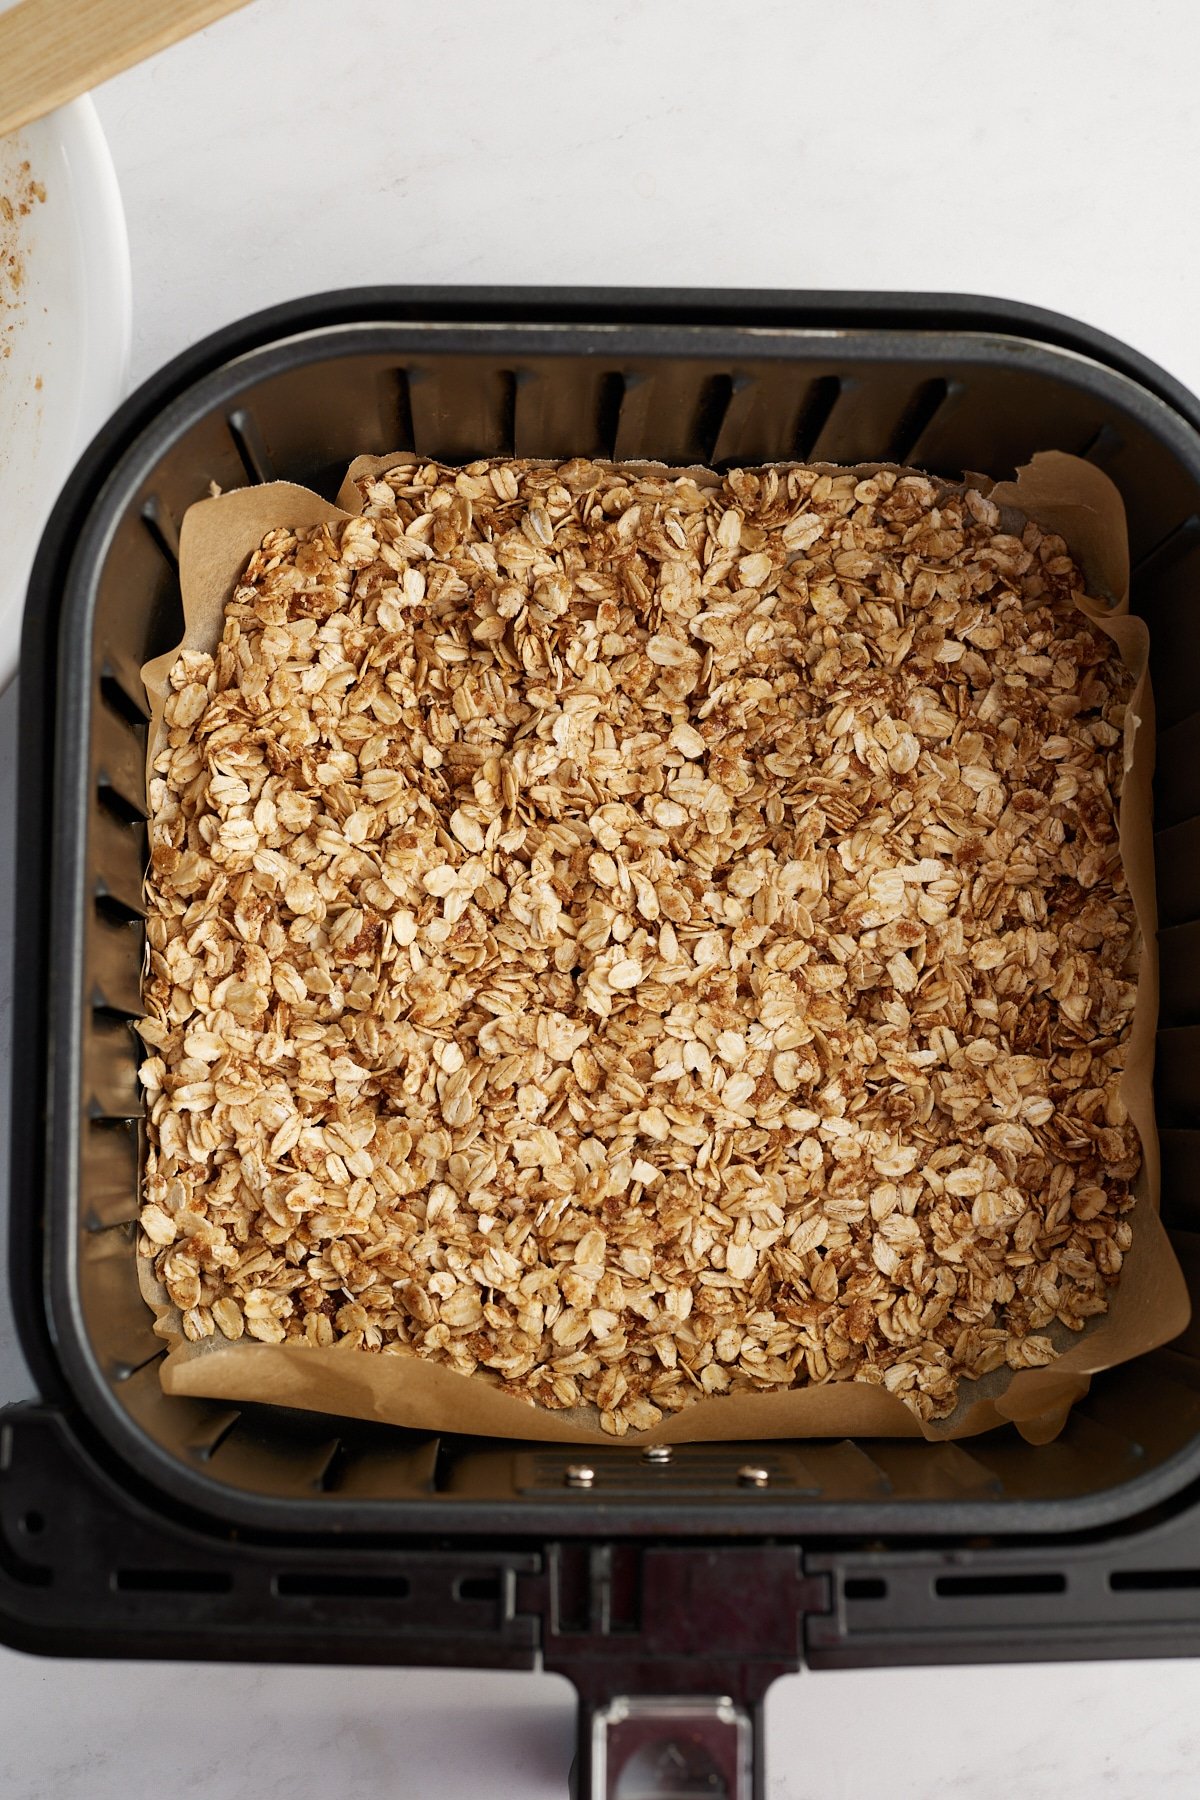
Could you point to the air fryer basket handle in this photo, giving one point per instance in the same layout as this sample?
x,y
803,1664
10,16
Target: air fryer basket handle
x,y
672,1747
672,1649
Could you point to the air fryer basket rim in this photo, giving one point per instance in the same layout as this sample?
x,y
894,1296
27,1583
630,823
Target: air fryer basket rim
x,y
62,597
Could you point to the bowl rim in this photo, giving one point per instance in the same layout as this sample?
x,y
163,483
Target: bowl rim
x,y
104,321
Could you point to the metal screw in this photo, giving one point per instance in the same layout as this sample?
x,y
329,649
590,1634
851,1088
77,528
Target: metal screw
x,y
579,1475
657,1454
754,1475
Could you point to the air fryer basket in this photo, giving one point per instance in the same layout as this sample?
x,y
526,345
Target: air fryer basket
x,y
947,386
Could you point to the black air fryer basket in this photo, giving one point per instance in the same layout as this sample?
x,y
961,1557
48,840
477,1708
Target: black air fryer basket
x,y
671,1587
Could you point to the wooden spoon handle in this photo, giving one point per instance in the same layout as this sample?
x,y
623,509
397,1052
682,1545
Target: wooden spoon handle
x,y
50,52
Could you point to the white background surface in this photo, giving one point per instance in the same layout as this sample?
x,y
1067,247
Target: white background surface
x,y
307,144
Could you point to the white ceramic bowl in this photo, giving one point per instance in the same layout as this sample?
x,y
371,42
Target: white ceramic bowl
x,y
65,326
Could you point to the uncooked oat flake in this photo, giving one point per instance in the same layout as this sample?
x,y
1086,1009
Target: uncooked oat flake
x,y
645,939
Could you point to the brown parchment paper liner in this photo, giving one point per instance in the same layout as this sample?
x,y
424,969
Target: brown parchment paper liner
x,y
1148,1307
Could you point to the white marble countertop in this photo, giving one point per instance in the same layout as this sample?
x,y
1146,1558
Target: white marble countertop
x,y
309,144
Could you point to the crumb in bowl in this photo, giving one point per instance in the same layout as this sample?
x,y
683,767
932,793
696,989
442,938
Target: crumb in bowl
x,y
15,205
645,939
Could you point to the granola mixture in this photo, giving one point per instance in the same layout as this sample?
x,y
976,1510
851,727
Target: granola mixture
x,y
645,939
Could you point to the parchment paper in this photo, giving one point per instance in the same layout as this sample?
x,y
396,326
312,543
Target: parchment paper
x,y
1149,1305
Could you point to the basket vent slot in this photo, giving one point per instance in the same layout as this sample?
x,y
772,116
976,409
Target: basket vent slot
x,y
301,1584
1103,446
1179,542
116,912
715,396
397,405
864,1587
924,406
114,696
609,400
162,529
172,1581
250,445
117,806
1153,1581
125,1371
969,1587
506,407
477,1587
815,411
